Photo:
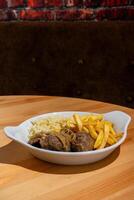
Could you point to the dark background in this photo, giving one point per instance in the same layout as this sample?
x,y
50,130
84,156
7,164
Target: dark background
x,y
92,60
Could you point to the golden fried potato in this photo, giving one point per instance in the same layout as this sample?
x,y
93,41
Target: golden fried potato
x,y
99,129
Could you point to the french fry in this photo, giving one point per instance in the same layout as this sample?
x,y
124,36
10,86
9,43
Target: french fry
x,y
113,137
109,123
99,126
84,118
106,135
78,121
85,129
85,122
110,141
92,122
92,132
99,140
95,117
112,131
119,135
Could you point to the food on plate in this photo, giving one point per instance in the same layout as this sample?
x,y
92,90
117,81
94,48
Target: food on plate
x,y
82,142
75,134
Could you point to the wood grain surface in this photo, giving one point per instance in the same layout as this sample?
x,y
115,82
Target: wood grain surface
x,y
23,177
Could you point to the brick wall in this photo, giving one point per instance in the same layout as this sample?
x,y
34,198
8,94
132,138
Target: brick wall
x,y
49,10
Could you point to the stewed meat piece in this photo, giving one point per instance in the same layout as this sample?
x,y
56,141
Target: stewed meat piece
x,y
35,142
51,141
47,142
82,142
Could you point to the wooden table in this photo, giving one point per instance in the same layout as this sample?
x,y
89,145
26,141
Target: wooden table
x,y
23,177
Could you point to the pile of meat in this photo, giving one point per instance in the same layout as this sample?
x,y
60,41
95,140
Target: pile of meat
x,y
64,141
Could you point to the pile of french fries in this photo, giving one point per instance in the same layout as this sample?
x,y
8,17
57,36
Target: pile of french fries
x,y
95,125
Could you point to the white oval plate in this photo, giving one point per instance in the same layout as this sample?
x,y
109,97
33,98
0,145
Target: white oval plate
x,y
20,134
